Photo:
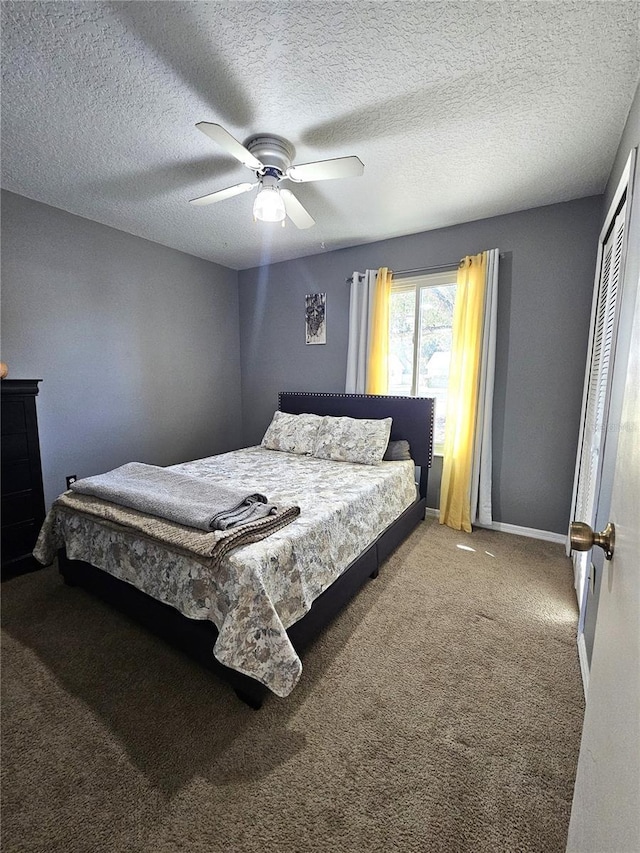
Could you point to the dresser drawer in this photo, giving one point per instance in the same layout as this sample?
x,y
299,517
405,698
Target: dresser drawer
x,y
15,447
13,417
24,506
18,540
16,477
22,493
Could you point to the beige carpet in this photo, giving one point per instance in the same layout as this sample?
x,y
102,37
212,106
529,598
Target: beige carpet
x,y
441,712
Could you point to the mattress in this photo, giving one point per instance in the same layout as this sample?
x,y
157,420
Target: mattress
x,y
260,589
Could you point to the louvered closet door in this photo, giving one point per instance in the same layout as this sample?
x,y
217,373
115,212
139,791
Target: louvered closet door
x,y
598,388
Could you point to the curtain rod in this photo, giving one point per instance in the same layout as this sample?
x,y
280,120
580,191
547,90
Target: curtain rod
x,y
438,268
453,266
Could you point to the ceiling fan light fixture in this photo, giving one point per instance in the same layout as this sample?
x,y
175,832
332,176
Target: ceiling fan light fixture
x,y
269,206
270,158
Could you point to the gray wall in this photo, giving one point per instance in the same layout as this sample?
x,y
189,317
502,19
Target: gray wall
x,y
137,344
545,287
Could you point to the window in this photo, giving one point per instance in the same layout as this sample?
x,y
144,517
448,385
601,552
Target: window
x,y
420,323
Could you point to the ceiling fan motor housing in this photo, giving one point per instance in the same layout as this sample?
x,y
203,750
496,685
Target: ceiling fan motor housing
x,y
273,152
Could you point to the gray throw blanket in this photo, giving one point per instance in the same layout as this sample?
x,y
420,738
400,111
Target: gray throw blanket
x,y
175,496
207,547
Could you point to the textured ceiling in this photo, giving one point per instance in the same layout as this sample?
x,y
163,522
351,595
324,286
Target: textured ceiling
x,y
459,111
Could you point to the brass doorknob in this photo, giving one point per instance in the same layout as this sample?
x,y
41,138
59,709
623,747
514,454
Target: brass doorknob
x,y
583,538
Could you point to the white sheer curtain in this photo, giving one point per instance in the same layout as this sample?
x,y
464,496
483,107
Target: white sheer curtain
x,y
361,303
481,510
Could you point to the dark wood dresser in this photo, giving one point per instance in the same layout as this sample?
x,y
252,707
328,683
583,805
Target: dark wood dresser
x,y
22,492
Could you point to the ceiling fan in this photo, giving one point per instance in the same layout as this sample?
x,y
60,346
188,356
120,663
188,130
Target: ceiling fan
x,y
270,158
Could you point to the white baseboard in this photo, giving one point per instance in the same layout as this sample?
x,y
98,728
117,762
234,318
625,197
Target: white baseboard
x,y
584,664
531,532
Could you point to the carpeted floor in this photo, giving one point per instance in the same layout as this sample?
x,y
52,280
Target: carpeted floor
x,y
441,711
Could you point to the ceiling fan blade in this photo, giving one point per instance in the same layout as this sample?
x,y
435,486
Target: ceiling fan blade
x,y
230,145
326,170
220,195
295,211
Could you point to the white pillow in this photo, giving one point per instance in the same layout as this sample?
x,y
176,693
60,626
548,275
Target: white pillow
x,y
353,439
292,433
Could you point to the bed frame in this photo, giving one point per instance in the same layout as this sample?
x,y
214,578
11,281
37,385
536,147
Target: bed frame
x,y
412,420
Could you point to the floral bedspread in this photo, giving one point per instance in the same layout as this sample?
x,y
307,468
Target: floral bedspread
x,y
261,589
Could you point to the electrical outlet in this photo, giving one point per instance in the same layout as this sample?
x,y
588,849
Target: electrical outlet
x,y
71,479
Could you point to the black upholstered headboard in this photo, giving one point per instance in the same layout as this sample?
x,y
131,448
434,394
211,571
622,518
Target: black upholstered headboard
x,y
412,416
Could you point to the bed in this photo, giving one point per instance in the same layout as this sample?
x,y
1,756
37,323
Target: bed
x,y
263,604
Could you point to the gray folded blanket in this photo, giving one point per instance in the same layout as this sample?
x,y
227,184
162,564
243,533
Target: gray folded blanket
x,y
175,496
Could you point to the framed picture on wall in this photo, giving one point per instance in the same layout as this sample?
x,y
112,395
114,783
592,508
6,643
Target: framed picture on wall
x,y
315,315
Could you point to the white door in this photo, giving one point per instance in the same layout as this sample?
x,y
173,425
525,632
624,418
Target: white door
x,y
612,312
589,496
605,817
597,387
606,806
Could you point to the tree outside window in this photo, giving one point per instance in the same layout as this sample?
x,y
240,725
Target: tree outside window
x,y
421,318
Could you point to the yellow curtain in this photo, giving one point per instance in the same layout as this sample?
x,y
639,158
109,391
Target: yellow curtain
x,y
378,362
462,398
